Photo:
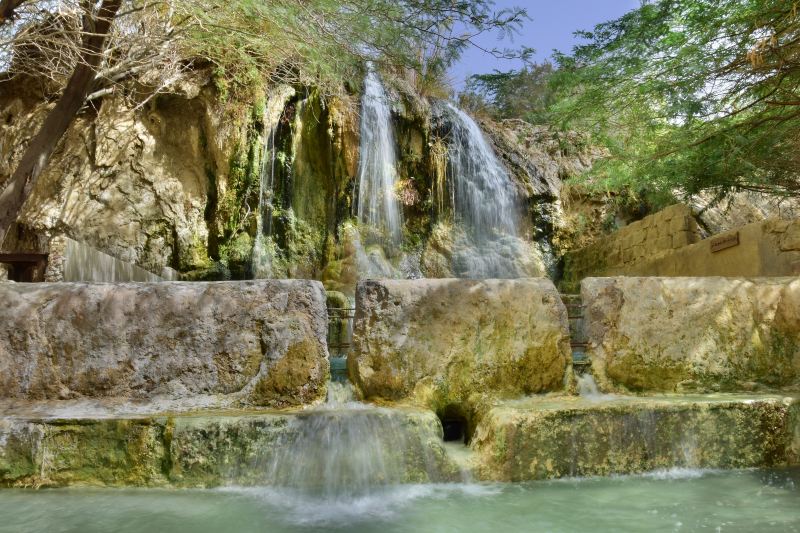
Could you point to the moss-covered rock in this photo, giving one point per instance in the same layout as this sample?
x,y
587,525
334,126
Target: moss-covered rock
x,y
556,437
209,449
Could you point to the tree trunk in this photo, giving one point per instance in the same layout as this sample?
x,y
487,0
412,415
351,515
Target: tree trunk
x,y
7,9
41,147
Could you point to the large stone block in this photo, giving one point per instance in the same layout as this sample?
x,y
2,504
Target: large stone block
x,y
258,342
542,438
667,334
442,341
210,449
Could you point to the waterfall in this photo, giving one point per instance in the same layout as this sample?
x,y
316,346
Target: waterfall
x,y
377,173
484,196
588,389
484,201
345,454
262,247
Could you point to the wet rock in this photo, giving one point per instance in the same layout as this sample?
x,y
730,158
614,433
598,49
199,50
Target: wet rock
x,y
557,437
206,450
258,343
663,334
445,342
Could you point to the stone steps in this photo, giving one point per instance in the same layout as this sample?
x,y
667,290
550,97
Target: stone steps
x,y
577,335
533,438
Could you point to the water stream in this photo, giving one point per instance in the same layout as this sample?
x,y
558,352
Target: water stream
x,y
262,249
377,173
349,457
587,388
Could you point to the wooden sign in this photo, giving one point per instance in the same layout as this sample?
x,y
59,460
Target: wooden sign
x,y
724,242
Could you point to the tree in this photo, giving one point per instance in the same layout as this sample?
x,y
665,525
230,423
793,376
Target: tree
x,y
96,25
690,95
525,93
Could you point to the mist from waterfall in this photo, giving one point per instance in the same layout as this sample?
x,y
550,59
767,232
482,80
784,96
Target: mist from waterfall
x,y
377,173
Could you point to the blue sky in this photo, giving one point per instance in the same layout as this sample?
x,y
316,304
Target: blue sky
x,y
551,27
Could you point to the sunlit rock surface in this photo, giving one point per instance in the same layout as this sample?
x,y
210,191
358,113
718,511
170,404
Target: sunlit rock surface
x,y
252,343
442,342
694,334
541,438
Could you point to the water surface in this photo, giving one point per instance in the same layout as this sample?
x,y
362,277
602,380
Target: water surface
x,y
675,500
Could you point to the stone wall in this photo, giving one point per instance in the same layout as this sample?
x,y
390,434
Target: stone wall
x,y
766,248
693,334
663,232
252,343
444,343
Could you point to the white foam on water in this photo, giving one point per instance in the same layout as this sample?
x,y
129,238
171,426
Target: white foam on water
x,y
300,508
587,388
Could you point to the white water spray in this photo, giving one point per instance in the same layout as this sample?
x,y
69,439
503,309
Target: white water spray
x,y
377,173
485,199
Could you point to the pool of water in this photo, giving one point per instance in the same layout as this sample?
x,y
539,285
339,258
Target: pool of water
x,y
675,500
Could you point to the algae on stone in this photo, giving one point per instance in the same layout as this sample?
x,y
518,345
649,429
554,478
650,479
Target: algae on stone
x,y
551,438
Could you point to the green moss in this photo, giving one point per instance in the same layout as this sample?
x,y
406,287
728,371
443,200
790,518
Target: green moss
x,y
237,254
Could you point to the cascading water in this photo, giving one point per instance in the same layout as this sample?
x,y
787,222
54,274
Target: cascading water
x,y
377,173
484,200
345,457
262,248
588,389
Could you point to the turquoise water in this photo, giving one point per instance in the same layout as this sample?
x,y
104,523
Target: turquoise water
x,y
677,500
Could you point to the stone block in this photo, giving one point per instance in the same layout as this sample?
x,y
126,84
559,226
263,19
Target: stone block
x,y
442,341
552,438
679,224
669,334
627,256
256,342
790,240
680,239
211,449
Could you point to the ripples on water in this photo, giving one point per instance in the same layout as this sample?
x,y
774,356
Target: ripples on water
x,y
671,500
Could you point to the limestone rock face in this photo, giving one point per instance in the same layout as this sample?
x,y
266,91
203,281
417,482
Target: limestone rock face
x,y
667,334
442,342
257,343
133,183
544,438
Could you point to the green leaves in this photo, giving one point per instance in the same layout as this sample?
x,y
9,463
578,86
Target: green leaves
x,y
690,95
326,42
